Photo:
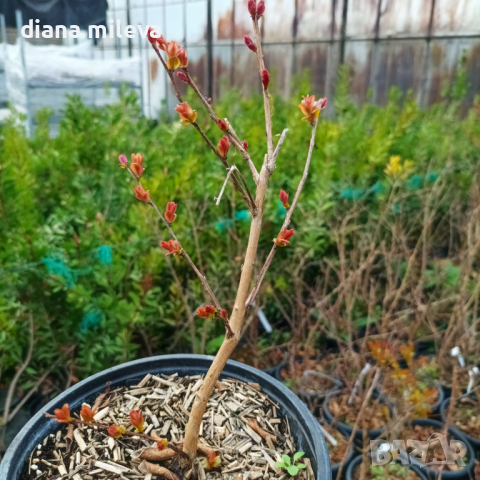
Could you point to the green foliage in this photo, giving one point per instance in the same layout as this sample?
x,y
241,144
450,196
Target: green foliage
x,y
80,253
393,471
290,464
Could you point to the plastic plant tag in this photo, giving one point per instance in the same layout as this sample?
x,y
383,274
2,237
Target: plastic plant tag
x,y
456,352
356,387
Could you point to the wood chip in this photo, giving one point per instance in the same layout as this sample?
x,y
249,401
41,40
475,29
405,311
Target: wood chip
x,y
79,439
240,424
271,462
246,447
101,414
253,424
109,468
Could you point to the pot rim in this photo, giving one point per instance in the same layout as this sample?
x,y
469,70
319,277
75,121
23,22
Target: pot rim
x,y
460,474
443,407
329,416
135,370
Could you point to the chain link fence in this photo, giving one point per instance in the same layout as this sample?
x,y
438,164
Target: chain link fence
x,y
415,46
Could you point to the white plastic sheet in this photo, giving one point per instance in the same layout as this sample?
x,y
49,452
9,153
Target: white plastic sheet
x,y
55,65
54,71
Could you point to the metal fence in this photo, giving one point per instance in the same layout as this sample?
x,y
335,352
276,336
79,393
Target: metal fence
x,y
412,44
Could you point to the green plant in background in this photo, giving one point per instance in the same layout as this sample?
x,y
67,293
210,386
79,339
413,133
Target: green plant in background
x,y
391,472
79,254
290,464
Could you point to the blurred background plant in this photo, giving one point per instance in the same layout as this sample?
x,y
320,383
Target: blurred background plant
x,y
386,243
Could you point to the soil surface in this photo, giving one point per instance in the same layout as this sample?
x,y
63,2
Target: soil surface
x,y
241,426
466,416
305,375
376,415
446,373
434,449
337,453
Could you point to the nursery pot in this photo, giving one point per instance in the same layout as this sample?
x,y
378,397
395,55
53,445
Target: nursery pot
x,y
336,466
475,442
277,370
344,428
305,395
272,371
435,407
467,472
304,428
358,460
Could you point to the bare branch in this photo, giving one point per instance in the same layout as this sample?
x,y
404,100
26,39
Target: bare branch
x,y
228,328
246,195
185,255
232,136
169,73
268,261
202,133
235,322
266,96
375,381
188,310
13,385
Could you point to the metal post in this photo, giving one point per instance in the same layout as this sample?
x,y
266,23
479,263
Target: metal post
x,y
5,47
232,46
185,23
164,32
332,56
142,94
145,21
424,85
118,46
209,50
373,68
19,19
343,31
130,44
293,57
4,33
294,36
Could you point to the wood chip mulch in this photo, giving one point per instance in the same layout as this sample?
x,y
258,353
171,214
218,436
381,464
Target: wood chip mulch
x,y
241,424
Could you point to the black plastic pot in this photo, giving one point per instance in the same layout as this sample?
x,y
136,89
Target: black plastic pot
x,y
435,408
358,460
309,397
467,472
447,391
372,434
336,466
276,371
305,429
443,412
424,348
284,364
272,371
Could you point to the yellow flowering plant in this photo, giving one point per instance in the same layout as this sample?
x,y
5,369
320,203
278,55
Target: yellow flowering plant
x,y
397,170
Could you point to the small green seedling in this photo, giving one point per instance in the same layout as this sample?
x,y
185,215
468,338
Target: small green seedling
x,y
289,464
391,472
